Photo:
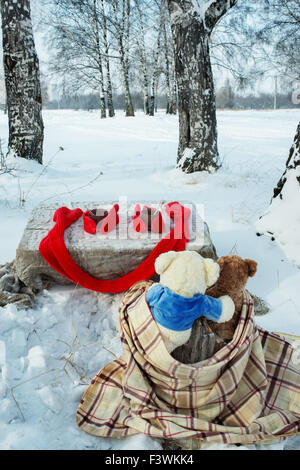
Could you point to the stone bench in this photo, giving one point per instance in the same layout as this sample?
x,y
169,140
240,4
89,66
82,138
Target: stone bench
x,y
106,256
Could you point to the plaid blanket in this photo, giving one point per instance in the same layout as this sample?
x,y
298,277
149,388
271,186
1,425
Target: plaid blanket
x,y
248,392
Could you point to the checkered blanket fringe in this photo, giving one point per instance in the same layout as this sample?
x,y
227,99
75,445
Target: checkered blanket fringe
x,y
248,392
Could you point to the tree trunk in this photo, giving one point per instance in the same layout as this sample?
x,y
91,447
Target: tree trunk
x,y
145,81
171,98
146,95
201,345
167,65
152,96
173,103
280,220
197,149
155,68
102,99
156,94
191,30
128,100
110,106
22,80
143,58
123,51
292,165
99,61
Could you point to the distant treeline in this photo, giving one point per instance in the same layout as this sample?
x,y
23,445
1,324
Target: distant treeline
x,y
251,101
223,99
92,101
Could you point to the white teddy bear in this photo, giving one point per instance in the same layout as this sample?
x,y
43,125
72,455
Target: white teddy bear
x,y
180,297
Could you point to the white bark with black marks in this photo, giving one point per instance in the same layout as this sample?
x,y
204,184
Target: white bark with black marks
x,y
110,106
192,23
122,29
169,68
281,221
143,58
292,167
99,61
22,79
155,73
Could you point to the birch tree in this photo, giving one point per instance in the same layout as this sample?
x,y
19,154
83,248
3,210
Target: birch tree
x,y
121,15
143,56
155,66
110,105
292,167
169,62
98,57
281,219
79,35
22,80
192,22
281,30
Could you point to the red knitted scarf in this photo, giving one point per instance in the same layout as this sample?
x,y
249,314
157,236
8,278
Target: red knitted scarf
x,y
54,251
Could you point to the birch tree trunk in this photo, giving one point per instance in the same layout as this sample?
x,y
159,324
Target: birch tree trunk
x,y
123,44
143,58
110,106
155,68
171,96
192,23
281,220
145,80
22,80
292,167
99,61
129,105
156,94
173,104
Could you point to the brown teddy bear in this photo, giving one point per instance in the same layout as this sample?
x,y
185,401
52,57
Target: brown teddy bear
x,y
234,273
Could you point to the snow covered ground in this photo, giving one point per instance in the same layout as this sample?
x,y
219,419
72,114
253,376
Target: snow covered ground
x,y
49,354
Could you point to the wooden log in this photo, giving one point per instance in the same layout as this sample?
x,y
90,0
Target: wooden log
x,y
199,347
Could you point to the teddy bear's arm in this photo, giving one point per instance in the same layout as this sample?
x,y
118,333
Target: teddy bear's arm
x,y
227,309
218,310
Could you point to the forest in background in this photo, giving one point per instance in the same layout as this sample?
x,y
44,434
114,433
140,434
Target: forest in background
x,y
102,54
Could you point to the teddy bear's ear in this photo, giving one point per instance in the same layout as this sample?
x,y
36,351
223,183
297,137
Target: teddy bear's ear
x,y
252,266
221,262
212,271
164,260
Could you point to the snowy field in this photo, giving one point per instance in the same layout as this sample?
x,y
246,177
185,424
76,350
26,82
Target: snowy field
x,y
49,354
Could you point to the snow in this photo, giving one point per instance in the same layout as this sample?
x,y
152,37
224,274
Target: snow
x,y
200,7
282,218
196,8
49,354
36,358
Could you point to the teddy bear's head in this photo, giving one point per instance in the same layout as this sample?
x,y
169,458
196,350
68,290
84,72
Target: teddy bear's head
x,y
235,271
186,273
234,274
